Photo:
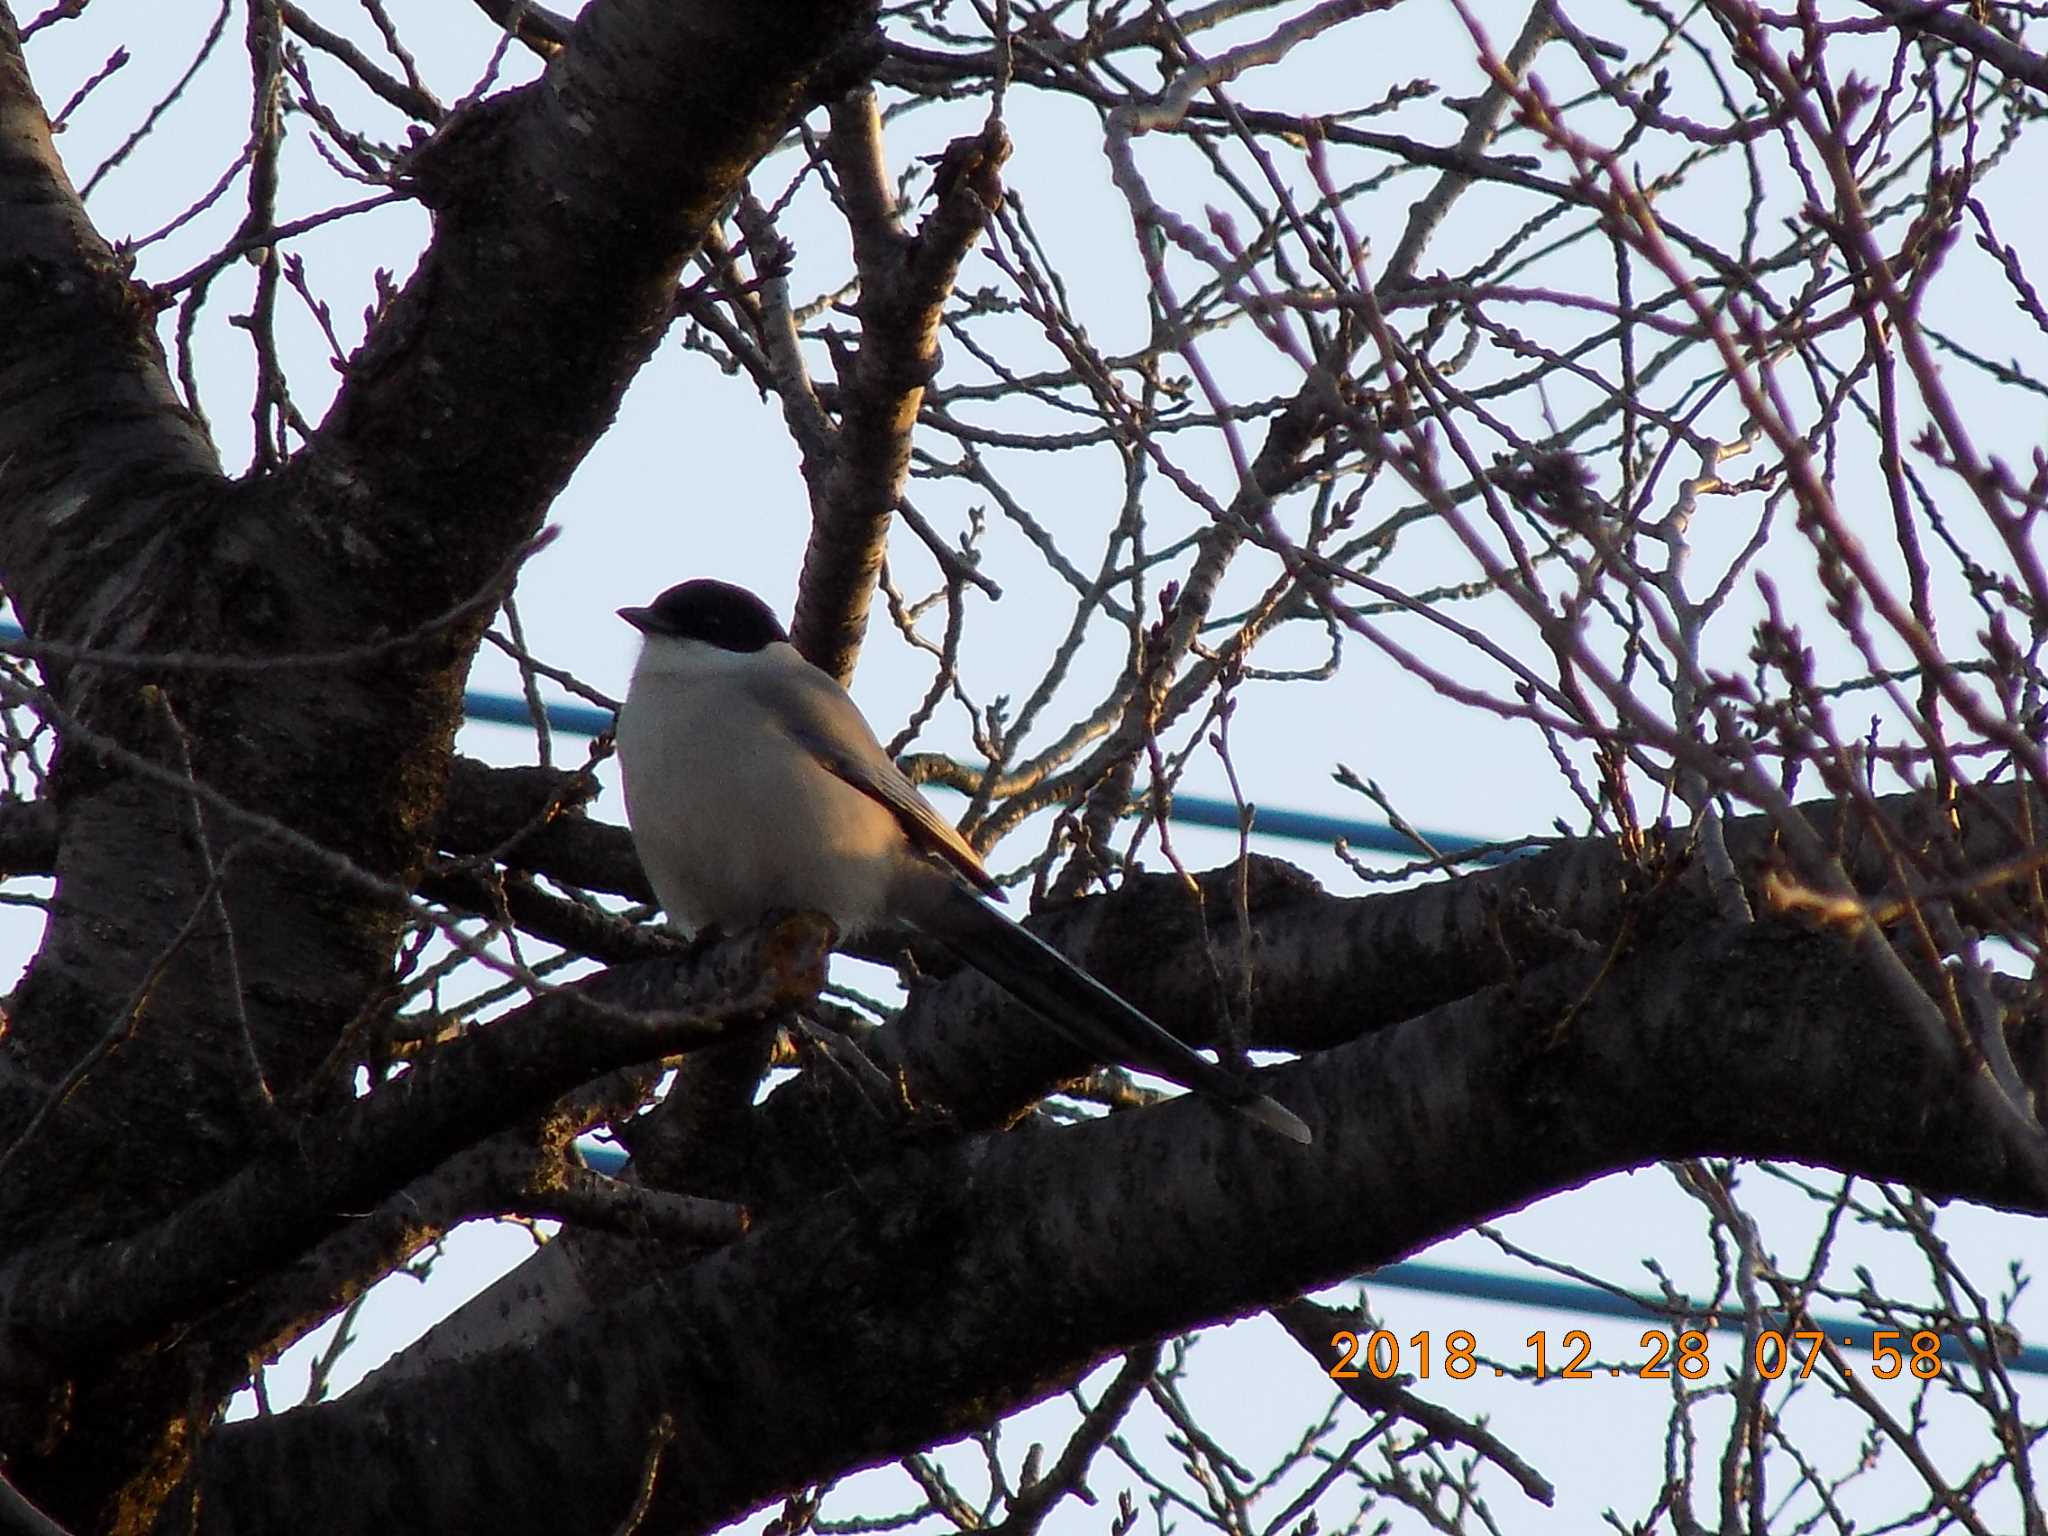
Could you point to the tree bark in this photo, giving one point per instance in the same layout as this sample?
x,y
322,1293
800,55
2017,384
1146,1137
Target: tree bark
x,y
209,946
952,1285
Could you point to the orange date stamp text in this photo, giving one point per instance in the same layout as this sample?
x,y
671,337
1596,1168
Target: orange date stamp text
x,y
1382,1354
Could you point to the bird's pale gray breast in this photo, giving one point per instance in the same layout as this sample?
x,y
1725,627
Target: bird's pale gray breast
x,y
735,818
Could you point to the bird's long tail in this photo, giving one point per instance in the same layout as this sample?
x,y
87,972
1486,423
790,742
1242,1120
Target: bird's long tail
x,y
1088,1013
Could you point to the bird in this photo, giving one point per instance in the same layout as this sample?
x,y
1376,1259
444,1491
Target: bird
x,y
754,785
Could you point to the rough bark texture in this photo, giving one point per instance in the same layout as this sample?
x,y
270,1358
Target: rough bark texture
x,y
563,214
960,1282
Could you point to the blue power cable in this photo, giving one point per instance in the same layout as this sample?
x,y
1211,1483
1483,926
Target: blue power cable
x,y
1195,810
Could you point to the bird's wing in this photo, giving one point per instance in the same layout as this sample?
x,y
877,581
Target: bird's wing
x,y
821,718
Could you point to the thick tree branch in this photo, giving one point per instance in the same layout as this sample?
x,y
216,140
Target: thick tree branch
x,y
593,185
532,818
114,1294
28,837
1393,955
1387,957
88,417
564,214
1030,1261
905,281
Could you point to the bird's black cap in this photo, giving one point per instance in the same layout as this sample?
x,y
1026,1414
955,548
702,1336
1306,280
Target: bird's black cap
x,y
715,612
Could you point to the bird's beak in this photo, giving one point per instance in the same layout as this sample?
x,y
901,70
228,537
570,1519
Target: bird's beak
x,y
641,619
